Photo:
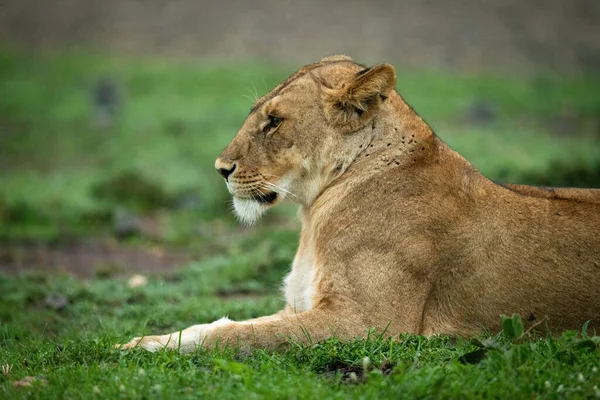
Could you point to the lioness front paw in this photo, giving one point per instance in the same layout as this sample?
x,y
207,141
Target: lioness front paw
x,y
185,340
150,343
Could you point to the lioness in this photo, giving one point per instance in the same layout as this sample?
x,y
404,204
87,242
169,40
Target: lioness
x,y
399,232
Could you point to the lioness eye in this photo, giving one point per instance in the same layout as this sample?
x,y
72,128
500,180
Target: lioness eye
x,y
273,123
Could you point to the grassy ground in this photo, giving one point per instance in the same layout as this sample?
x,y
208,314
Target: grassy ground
x,y
145,181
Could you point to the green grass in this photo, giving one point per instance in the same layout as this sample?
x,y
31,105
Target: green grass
x,y
63,178
72,349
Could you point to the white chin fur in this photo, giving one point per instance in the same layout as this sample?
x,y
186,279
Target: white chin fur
x,y
248,211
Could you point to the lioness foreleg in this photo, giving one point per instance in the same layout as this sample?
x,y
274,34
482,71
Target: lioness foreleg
x,y
272,332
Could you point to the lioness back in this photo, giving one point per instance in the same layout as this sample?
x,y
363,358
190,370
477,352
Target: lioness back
x,y
576,194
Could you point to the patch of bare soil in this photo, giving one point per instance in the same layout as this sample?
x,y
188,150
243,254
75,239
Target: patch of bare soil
x,y
90,258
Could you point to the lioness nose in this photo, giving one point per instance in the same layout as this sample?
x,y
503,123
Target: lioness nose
x,y
225,169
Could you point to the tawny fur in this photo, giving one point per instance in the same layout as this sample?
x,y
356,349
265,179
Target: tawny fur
x,y
398,230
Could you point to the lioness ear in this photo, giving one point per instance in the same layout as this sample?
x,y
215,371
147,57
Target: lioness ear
x,y
354,102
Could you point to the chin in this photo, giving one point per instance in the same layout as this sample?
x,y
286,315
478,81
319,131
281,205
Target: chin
x,y
249,211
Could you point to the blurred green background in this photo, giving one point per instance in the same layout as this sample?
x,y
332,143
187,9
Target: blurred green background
x,y
112,113
122,148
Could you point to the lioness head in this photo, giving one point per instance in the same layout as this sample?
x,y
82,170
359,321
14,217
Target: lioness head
x,y
304,134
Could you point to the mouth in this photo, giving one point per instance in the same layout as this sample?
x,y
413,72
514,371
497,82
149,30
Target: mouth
x,y
268,198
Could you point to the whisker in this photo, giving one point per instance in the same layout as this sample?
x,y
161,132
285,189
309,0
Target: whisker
x,y
269,185
279,177
272,185
255,91
284,191
265,83
248,97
